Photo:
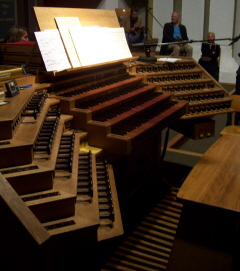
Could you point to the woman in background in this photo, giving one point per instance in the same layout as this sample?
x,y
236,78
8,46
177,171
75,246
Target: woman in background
x,y
210,55
16,34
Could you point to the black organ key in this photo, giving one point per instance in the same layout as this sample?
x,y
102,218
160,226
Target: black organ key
x,y
109,97
137,121
109,114
85,182
48,129
80,90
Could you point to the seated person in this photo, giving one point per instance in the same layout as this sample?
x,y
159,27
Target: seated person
x,y
16,34
210,55
175,32
135,32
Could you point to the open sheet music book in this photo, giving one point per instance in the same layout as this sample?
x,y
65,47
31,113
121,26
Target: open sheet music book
x,y
96,44
80,46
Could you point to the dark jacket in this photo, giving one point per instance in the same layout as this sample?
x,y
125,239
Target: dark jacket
x,y
126,23
212,65
207,51
168,35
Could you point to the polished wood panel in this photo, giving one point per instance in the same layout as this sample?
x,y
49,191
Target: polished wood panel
x,y
208,234
88,17
25,135
215,180
21,211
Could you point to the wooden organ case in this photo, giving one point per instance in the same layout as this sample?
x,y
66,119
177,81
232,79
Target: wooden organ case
x,y
54,192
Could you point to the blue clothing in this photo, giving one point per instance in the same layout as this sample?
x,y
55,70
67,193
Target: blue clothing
x,y
176,32
137,38
126,23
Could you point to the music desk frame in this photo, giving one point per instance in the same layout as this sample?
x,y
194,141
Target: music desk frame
x,y
209,228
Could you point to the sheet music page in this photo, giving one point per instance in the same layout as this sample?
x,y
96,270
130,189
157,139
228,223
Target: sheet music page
x,y
88,44
168,59
100,44
116,46
52,50
63,24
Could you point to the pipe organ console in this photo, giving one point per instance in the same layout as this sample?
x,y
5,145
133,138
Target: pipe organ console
x,y
79,143
69,193
119,113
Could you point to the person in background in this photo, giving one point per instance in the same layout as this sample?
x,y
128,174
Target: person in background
x,y
134,30
175,32
16,34
210,54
